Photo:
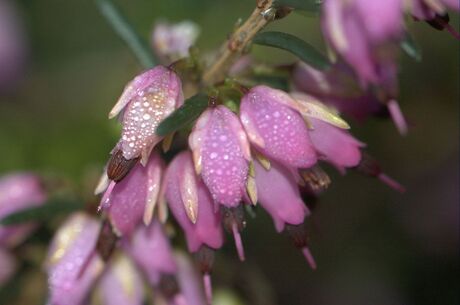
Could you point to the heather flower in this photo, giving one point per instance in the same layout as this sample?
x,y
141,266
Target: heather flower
x,y
133,199
72,263
145,102
280,197
172,41
150,249
18,192
333,144
337,87
8,266
221,154
121,283
192,206
276,128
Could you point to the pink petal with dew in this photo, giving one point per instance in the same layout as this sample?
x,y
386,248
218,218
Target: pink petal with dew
x,y
207,229
223,152
279,195
269,114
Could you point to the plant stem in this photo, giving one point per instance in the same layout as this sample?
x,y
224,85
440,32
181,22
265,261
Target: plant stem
x,y
232,49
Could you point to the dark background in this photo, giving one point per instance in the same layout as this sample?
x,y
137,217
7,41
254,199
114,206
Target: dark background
x,y
372,244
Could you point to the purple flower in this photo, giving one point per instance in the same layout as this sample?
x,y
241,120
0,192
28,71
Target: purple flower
x,y
365,33
172,41
221,154
145,102
18,192
191,204
435,13
280,197
72,263
135,197
152,252
276,128
191,292
121,283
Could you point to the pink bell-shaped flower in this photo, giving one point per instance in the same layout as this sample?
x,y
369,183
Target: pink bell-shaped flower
x,y
18,192
121,283
132,199
279,195
276,128
145,102
221,154
150,249
72,264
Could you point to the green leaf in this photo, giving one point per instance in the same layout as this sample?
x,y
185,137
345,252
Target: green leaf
x,y
305,5
184,115
295,45
411,48
126,31
44,212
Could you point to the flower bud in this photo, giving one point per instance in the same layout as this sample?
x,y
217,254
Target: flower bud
x,y
18,192
133,198
144,104
276,128
221,154
72,262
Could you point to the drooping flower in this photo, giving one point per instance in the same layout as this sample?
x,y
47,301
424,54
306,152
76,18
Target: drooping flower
x,y
145,102
192,206
172,41
17,192
132,199
221,154
280,197
152,252
72,263
339,88
121,283
276,128
434,13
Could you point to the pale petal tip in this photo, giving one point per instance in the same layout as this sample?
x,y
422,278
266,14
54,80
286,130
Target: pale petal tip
x,y
238,242
105,201
391,183
397,117
207,287
102,184
309,257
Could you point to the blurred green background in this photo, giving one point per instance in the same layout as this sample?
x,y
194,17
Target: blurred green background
x,y
372,245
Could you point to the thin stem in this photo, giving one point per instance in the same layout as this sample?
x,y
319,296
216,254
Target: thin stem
x,y
238,41
126,31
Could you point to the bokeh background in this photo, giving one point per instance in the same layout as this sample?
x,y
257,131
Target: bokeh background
x,y
372,245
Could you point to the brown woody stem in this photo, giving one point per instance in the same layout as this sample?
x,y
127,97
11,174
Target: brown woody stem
x,y
232,49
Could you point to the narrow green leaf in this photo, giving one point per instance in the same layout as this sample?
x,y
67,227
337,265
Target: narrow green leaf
x,y
184,115
295,45
44,212
411,48
305,5
126,31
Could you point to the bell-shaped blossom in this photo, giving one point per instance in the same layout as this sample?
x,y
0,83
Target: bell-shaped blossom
x,y
221,154
366,34
337,87
13,48
121,283
18,192
146,101
132,199
435,13
276,128
172,41
150,249
8,266
280,197
191,204
72,264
